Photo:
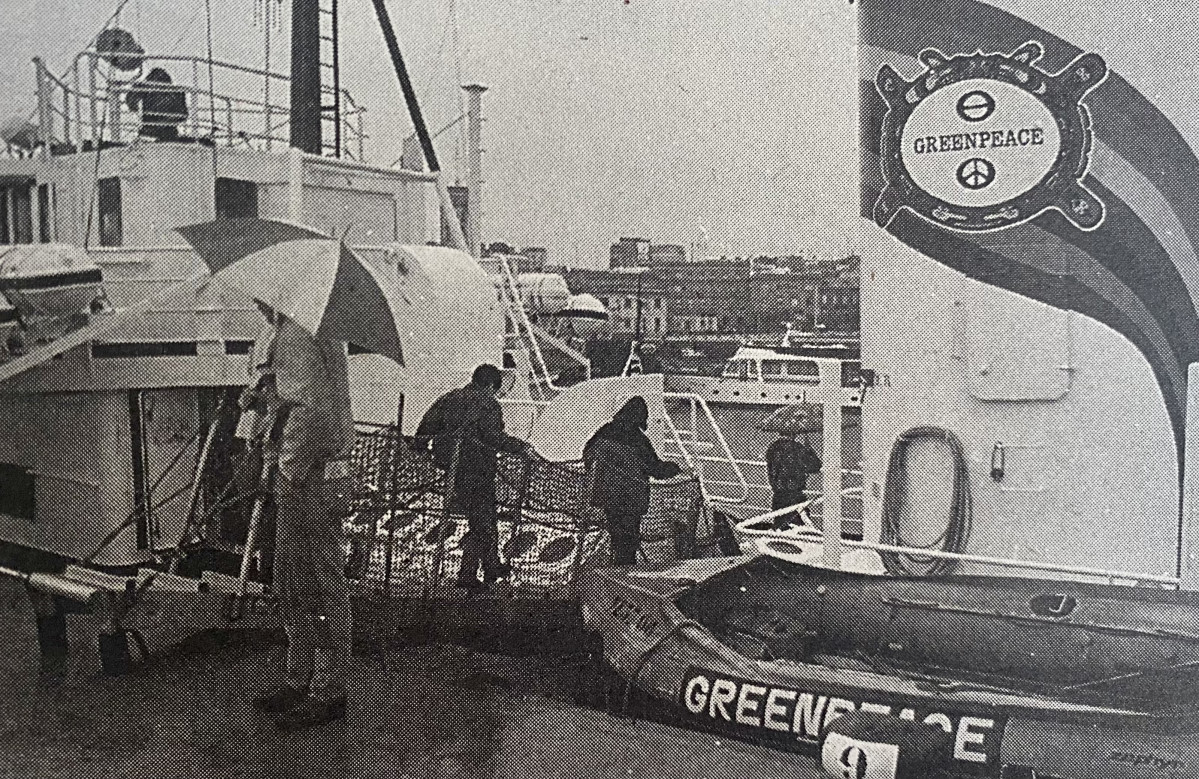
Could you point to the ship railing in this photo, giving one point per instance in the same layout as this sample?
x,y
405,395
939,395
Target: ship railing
x,y
87,106
809,514
689,443
511,300
683,446
675,446
758,529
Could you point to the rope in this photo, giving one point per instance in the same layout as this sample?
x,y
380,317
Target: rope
x,y
957,529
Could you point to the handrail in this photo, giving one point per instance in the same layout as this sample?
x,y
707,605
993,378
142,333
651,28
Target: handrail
x,y
511,294
91,108
745,525
1032,565
700,403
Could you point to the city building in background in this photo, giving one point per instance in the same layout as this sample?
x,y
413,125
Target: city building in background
x,y
531,259
665,254
721,296
629,253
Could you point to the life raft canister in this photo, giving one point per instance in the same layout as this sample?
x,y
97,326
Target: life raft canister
x,y
872,745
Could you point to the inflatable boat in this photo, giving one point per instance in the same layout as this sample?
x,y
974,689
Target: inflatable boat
x,y
1025,677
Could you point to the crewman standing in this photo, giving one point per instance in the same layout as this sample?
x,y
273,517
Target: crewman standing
x,y
161,103
304,382
620,461
466,429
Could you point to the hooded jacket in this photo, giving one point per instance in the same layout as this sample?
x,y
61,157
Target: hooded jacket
x,y
621,460
473,414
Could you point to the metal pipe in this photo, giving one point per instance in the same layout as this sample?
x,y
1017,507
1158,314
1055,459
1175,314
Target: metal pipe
x,y
43,106
59,586
474,202
92,105
1003,562
193,503
832,455
335,34
266,485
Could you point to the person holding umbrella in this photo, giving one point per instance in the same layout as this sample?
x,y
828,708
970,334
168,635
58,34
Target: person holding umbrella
x,y
789,461
319,295
309,435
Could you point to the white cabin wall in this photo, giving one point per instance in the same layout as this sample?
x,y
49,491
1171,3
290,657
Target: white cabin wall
x,y
164,186
77,446
1091,478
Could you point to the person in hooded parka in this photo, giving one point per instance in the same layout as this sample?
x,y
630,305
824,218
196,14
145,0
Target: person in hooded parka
x,y
620,461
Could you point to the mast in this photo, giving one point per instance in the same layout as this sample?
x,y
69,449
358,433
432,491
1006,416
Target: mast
x,y
418,121
305,125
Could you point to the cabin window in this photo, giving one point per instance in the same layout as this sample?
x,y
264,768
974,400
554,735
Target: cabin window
x,y
773,370
803,369
236,198
743,370
16,492
108,205
43,213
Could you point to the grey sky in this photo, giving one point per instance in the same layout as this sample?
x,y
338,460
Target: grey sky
x,y
605,119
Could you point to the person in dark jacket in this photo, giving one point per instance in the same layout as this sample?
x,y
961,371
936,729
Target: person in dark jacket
x,y
162,105
789,462
469,420
620,462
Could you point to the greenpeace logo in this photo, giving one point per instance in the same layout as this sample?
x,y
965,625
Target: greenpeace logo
x,y
1160,763
987,139
804,713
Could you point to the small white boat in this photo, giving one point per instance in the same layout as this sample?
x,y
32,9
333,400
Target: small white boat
x,y
759,376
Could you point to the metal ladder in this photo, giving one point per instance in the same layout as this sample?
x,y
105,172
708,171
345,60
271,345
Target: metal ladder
x,y
330,61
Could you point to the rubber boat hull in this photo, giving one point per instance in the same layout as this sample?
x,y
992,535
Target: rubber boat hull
x,y
656,629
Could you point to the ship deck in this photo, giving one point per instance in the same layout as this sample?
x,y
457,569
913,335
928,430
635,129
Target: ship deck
x,y
417,710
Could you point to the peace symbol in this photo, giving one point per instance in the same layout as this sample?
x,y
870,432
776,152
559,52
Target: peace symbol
x,y
976,105
976,173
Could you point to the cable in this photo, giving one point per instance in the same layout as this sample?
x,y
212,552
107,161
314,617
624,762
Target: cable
x,y
957,529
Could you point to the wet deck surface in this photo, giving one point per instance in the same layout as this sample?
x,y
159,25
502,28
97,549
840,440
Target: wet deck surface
x,y
416,711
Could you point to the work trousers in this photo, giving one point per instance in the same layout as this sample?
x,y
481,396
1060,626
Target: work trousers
x,y
625,532
481,544
309,570
786,497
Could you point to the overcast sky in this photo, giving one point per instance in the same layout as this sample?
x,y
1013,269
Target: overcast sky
x,y
605,118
